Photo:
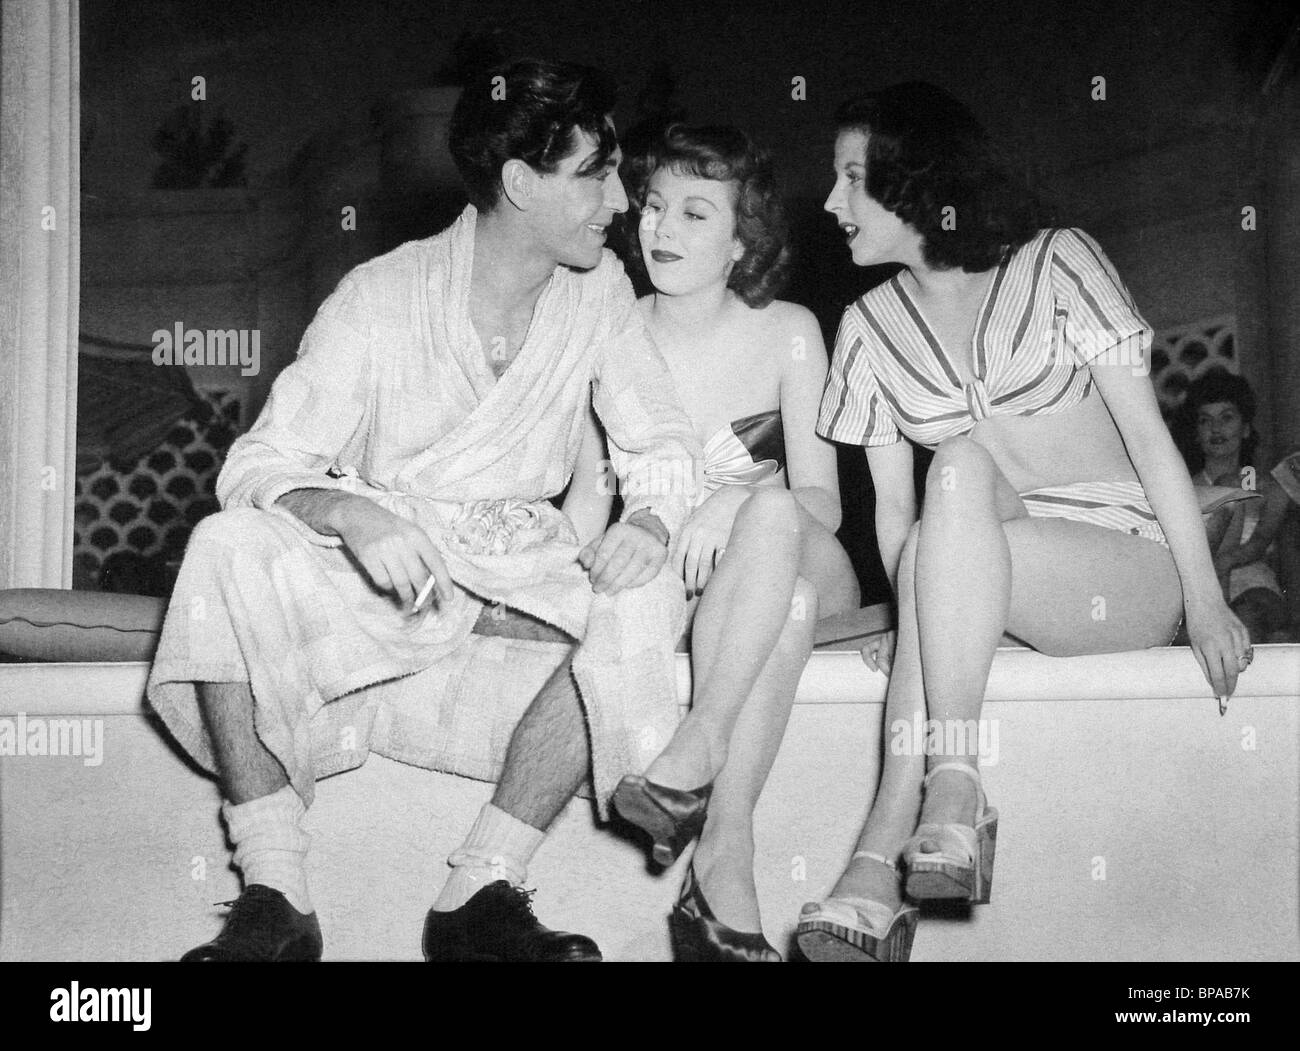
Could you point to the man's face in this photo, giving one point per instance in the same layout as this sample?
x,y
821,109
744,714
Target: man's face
x,y
573,206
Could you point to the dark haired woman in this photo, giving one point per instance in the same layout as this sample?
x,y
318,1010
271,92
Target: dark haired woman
x,y
1056,508
1221,408
759,553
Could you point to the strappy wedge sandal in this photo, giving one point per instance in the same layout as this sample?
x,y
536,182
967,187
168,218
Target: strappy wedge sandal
x,y
962,868
857,930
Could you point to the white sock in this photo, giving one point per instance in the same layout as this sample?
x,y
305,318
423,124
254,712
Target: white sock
x,y
498,847
270,845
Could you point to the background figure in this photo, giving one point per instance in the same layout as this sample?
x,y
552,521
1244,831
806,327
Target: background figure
x,y
1220,412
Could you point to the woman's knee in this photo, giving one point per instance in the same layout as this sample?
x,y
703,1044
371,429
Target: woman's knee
x,y
770,507
958,464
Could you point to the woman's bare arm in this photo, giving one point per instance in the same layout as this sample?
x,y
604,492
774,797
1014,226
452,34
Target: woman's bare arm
x,y
1131,400
590,496
1218,638
891,476
811,466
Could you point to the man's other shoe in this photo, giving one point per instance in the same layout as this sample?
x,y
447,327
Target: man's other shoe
x,y
262,927
497,925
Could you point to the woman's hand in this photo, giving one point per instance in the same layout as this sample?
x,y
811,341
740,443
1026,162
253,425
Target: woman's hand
x,y
704,537
878,653
1220,642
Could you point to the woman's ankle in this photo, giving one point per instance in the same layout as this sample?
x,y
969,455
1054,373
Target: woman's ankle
x,y
869,878
693,759
725,842
951,796
724,869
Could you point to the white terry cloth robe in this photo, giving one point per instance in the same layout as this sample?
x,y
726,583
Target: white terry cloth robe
x,y
391,397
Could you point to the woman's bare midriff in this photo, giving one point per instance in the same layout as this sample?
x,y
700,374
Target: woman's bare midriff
x,y
1080,444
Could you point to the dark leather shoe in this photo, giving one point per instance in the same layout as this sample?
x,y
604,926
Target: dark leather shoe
x,y
497,925
700,937
672,816
262,927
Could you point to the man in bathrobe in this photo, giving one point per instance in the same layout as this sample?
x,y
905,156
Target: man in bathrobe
x,y
438,401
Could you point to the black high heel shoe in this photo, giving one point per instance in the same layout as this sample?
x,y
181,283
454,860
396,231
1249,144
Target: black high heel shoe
x,y
700,937
671,816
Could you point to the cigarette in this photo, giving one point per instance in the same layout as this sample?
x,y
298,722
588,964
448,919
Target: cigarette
x,y
424,593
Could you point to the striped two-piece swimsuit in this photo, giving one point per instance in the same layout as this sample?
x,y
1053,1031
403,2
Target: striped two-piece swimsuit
x,y
1053,306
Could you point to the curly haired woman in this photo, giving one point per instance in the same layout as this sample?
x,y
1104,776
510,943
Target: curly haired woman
x,y
759,556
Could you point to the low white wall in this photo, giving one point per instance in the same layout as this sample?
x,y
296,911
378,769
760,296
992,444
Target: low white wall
x,y
1136,824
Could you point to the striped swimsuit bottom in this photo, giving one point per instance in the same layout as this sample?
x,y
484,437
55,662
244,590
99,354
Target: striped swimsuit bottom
x,y
1111,505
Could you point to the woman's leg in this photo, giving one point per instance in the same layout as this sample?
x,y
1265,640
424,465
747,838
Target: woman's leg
x,y
1076,588
743,612
964,595
892,818
724,859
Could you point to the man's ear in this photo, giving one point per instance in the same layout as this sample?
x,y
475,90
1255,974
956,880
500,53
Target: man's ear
x,y
518,183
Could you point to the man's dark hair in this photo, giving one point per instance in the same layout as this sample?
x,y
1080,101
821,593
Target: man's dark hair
x,y
927,152
529,114
725,154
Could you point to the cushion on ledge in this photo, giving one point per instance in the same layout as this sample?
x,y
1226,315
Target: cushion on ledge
x,y
850,631
48,624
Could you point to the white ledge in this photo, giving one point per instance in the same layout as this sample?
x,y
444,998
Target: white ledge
x,y
103,688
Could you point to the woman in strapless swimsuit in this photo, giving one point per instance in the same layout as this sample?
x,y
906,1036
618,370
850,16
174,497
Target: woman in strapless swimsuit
x,y
759,556
1056,509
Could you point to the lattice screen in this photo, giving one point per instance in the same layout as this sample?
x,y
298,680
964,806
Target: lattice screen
x,y
151,506
1182,354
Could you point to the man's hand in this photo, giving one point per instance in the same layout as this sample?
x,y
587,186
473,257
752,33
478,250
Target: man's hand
x,y
625,556
397,555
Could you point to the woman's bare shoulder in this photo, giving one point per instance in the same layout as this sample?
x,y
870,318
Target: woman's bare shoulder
x,y
782,322
786,313
789,333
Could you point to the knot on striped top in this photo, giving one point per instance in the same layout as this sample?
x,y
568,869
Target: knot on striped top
x,y
977,400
